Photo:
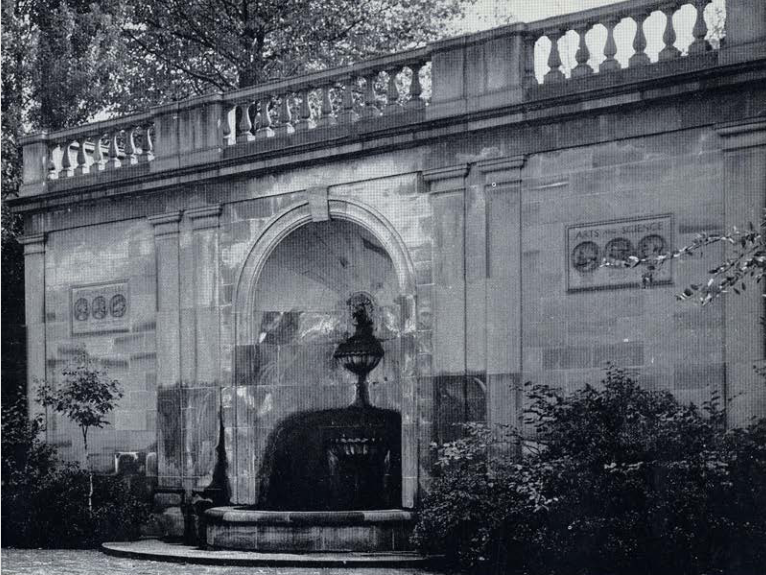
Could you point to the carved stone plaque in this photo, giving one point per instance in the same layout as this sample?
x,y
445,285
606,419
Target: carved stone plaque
x,y
100,308
590,245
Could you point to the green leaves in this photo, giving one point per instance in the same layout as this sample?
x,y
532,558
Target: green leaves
x,y
85,395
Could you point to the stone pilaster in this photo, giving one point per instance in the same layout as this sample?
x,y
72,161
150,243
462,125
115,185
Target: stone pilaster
x,y
169,413
744,161
34,306
499,180
445,366
205,248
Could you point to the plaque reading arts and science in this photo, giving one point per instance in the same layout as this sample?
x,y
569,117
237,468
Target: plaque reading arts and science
x,y
614,242
100,308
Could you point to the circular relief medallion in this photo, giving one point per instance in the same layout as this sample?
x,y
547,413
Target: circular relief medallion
x,y
585,257
618,250
652,245
99,307
81,311
118,305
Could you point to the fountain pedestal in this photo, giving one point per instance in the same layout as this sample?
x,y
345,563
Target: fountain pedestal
x,y
330,478
309,531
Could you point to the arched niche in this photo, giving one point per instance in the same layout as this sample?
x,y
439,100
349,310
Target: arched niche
x,y
291,251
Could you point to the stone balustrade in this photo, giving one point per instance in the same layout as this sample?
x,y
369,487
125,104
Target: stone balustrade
x,y
98,147
320,100
611,17
487,72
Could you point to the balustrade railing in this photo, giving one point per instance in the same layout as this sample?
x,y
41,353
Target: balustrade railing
x,y
551,34
367,91
100,147
468,73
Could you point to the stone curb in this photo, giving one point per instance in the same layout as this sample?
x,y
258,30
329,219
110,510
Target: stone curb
x,y
156,550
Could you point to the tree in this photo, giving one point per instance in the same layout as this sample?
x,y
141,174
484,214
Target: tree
x,y
86,395
226,44
746,264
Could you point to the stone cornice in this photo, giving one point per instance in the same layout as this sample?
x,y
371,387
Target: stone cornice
x,y
743,134
501,170
204,217
448,179
33,243
165,224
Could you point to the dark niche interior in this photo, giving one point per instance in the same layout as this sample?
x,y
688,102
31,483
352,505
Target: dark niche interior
x,y
332,460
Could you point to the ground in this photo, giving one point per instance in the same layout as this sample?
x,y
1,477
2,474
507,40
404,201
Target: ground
x,y
67,562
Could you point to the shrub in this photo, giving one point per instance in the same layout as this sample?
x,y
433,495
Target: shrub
x,y
618,479
45,502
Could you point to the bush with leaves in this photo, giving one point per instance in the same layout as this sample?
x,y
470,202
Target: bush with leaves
x,y
44,501
86,395
618,480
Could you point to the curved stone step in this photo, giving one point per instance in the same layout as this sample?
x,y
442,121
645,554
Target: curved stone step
x,y
157,550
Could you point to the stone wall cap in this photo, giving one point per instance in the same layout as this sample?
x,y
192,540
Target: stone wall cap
x,y
445,173
166,218
30,239
204,211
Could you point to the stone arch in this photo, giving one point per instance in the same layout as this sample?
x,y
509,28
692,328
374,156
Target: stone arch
x,y
278,228
289,220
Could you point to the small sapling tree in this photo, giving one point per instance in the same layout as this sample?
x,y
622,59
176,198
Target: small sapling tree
x,y
86,395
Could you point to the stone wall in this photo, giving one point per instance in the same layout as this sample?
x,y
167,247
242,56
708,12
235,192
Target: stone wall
x,y
476,226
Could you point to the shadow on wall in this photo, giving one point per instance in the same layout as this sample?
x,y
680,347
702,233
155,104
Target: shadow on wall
x,y
333,459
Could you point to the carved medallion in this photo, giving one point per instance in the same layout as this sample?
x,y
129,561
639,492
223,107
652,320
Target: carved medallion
x,y
613,243
118,305
99,307
585,257
652,245
618,250
81,309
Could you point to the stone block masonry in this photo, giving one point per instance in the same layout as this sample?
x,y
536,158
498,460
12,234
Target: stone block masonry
x,y
235,247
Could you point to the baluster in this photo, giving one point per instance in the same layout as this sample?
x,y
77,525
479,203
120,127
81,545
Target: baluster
x,y
82,158
530,79
639,57
348,114
284,126
53,161
228,125
583,53
66,160
327,117
669,36
610,48
554,59
147,145
131,158
392,92
98,154
304,111
245,127
700,45
370,101
416,88
264,119
114,151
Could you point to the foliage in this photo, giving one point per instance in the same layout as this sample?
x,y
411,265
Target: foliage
x,y
746,262
43,501
86,395
222,44
617,479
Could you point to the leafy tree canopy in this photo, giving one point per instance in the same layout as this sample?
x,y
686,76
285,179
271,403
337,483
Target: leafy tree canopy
x,y
225,44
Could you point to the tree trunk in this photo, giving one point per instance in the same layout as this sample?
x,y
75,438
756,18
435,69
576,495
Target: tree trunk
x,y
90,471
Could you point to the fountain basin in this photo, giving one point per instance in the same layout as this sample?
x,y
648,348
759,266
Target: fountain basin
x,y
250,529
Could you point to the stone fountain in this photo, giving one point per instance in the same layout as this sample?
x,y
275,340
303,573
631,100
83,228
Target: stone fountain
x,y
331,478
